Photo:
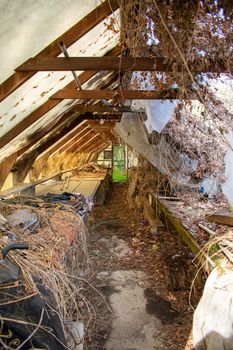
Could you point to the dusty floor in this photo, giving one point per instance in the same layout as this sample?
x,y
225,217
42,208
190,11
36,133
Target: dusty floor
x,y
146,281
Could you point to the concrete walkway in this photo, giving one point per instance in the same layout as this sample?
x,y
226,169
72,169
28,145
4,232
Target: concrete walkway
x,y
133,328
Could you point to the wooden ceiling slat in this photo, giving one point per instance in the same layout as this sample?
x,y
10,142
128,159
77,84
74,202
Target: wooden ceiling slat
x,y
117,64
68,38
82,142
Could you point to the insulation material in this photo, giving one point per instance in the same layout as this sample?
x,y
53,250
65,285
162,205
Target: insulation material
x,y
158,112
212,323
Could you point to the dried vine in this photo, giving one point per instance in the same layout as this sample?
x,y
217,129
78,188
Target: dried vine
x,y
194,35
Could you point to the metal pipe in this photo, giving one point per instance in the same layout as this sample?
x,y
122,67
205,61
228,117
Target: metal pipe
x,y
65,52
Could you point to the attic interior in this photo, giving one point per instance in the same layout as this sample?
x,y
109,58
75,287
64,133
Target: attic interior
x,y
116,174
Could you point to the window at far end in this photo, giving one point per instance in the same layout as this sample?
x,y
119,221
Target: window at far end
x,y
107,154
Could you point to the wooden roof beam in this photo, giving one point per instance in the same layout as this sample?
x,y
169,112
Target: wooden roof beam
x,y
96,145
100,108
117,64
68,38
5,168
115,94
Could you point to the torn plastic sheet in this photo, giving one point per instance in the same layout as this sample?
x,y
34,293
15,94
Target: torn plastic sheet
x,y
162,156
227,187
158,112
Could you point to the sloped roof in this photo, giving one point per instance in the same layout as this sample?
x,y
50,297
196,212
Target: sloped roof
x,y
27,29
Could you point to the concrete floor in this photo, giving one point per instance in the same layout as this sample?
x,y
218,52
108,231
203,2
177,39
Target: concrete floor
x,y
146,312
133,327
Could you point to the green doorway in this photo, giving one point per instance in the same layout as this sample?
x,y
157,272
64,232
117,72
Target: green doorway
x,y
119,163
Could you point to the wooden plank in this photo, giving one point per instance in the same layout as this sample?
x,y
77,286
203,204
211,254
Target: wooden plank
x,y
185,234
68,38
96,145
114,64
47,106
225,218
39,112
114,94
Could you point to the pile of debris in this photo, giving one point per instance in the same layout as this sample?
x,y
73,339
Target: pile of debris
x,y
195,211
43,301
90,170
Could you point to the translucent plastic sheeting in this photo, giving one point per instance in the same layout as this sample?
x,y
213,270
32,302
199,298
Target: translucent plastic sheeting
x,y
162,156
27,27
212,322
158,112
227,187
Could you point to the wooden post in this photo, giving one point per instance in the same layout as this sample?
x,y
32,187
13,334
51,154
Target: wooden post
x,y
5,168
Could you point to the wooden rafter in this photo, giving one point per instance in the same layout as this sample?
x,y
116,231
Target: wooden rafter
x,y
114,94
46,107
70,142
42,147
88,135
82,134
114,64
68,38
83,144
96,151
76,132
96,145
